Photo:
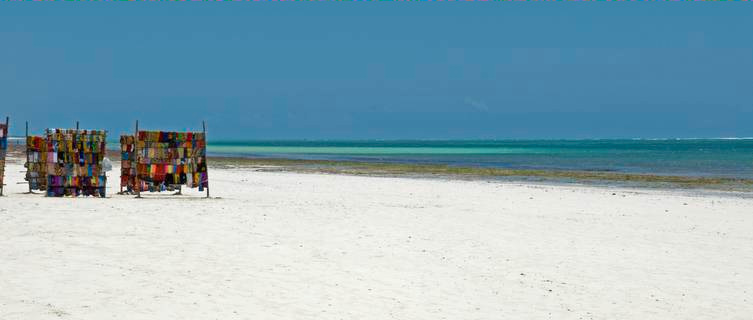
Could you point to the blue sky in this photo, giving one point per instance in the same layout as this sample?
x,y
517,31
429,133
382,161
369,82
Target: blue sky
x,y
382,70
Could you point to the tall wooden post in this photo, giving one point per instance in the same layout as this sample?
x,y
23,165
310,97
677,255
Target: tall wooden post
x,y
204,126
136,181
7,120
28,170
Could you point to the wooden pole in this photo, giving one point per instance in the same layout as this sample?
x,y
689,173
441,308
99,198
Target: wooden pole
x,y
136,182
28,175
104,151
121,169
204,126
7,120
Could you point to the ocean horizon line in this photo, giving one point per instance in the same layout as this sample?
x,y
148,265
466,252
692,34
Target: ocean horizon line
x,y
482,139
11,137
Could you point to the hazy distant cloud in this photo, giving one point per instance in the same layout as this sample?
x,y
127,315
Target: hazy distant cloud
x,y
479,105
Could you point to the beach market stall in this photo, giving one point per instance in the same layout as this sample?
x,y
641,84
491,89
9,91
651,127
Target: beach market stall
x,y
168,160
74,162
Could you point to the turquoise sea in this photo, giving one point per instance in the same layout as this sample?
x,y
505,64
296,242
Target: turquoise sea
x,y
689,157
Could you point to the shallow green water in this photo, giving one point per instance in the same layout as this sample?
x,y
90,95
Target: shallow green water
x,y
712,157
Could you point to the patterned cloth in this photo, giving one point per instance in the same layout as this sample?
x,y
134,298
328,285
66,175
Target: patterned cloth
x,y
127,169
169,159
74,162
36,162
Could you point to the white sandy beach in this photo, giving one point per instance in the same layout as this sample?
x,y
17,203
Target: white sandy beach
x,y
315,246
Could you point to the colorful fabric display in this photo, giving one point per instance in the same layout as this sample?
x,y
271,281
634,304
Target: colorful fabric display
x,y
36,162
3,150
164,160
127,169
74,162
